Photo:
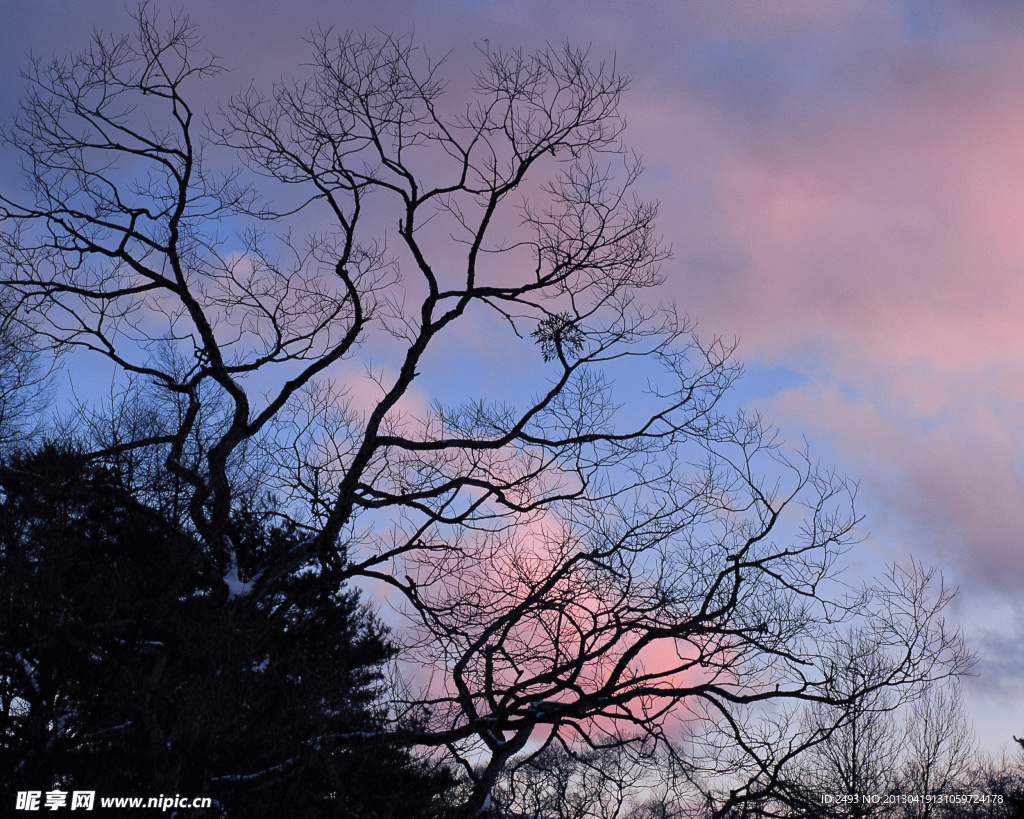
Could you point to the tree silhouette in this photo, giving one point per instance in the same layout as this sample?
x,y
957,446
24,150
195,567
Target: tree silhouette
x,y
23,382
120,670
572,566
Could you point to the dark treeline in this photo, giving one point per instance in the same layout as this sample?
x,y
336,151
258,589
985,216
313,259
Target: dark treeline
x,y
123,671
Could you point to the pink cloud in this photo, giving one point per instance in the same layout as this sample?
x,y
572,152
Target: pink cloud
x,y
850,201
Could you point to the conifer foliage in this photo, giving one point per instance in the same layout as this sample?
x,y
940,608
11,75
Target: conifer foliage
x,y
126,669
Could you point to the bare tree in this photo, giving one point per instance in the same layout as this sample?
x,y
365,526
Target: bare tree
x,y
23,382
574,568
564,784
845,741
860,744
1000,785
938,748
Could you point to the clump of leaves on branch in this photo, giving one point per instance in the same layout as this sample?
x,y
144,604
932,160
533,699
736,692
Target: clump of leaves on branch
x,y
572,568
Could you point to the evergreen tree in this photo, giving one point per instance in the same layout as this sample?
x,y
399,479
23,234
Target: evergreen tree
x,y
127,666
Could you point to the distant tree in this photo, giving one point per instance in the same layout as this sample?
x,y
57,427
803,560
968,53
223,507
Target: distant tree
x,y
875,741
579,566
563,783
850,740
123,669
23,381
860,738
938,747
999,783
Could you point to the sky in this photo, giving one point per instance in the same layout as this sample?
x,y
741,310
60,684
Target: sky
x,y
842,184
